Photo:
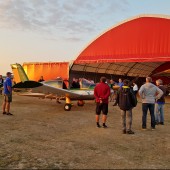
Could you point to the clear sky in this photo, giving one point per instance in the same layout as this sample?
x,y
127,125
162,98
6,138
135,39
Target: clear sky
x,y
58,30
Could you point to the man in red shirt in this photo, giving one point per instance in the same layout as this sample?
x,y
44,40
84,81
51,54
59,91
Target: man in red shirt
x,y
102,93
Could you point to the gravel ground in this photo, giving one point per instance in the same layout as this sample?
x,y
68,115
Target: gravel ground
x,y
42,135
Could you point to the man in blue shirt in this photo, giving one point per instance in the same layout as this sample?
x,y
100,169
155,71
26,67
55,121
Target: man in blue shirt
x,y
7,94
159,105
120,83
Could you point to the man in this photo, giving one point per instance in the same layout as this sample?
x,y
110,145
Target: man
x,y
149,92
125,100
7,94
1,83
102,93
159,106
75,83
120,83
135,88
41,79
111,84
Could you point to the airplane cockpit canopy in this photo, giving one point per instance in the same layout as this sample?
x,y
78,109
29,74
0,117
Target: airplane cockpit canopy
x,y
84,83
58,83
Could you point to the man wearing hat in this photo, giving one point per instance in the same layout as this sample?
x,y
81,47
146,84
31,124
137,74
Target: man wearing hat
x,y
7,94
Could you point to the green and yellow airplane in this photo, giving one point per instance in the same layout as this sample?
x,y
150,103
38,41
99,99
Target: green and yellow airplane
x,y
53,89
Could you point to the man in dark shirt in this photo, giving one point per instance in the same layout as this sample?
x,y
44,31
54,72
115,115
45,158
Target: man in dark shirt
x,y
75,83
1,83
159,105
102,93
41,79
125,100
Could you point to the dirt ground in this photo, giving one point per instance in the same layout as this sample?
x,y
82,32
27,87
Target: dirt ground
x,y
42,135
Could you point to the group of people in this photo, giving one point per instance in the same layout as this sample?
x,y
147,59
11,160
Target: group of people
x,y
112,84
153,99
78,83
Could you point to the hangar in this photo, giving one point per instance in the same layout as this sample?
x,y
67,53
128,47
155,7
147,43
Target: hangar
x,y
137,47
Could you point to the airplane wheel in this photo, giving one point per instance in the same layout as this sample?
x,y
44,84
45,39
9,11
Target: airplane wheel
x,y
67,107
80,103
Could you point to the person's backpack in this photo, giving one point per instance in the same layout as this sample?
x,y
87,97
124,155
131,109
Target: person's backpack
x,y
133,99
126,99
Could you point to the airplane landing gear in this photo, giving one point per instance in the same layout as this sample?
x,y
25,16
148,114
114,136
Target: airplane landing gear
x,y
80,103
67,107
68,104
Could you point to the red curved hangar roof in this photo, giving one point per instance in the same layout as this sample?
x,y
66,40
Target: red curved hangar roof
x,y
135,48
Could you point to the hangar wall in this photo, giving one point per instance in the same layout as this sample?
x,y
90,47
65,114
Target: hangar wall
x,y
49,70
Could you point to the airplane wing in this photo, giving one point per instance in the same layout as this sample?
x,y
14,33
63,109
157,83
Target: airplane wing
x,y
72,94
29,94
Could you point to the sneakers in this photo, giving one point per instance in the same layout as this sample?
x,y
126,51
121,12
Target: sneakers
x,y
159,123
144,128
9,114
98,125
127,132
5,113
152,128
104,126
130,132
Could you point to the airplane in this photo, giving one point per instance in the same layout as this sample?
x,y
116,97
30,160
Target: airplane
x,y
53,89
165,73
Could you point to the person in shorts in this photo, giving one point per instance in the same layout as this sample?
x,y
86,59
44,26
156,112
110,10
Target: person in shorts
x,y
102,93
7,94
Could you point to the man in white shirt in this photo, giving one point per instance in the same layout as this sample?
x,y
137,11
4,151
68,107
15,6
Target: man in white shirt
x,y
135,88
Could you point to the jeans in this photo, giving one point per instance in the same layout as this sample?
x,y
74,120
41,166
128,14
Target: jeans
x,y
126,114
159,113
145,107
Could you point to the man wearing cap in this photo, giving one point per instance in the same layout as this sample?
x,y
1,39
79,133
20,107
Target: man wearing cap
x,y
7,94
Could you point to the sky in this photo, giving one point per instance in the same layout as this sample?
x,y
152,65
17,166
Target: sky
x,y
58,30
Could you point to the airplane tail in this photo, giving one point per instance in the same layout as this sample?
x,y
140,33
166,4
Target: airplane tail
x,y
21,78
19,73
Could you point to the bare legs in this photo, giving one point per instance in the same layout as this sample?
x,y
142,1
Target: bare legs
x,y
6,106
104,118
